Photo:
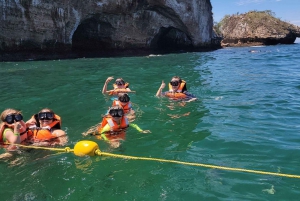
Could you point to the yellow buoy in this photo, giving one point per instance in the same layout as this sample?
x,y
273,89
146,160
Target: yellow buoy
x,y
85,147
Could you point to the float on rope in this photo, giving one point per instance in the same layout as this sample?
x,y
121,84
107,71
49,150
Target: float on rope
x,y
86,147
90,148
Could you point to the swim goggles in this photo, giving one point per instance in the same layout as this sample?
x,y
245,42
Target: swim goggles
x,y
116,113
10,119
174,83
120,82
124,98
45,116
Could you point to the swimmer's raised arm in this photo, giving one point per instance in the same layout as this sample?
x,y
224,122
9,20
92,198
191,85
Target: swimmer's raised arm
x,y
159,92
104,90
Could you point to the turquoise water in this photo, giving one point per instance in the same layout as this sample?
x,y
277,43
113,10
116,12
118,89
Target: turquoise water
x,y
247,116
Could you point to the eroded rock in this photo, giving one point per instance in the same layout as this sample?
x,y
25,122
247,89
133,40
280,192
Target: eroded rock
x,y
105,26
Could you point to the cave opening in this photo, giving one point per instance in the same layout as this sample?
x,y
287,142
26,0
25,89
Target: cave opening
x,y
92,35
171,39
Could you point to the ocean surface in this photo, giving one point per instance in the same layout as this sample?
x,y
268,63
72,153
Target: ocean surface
x,y
247,116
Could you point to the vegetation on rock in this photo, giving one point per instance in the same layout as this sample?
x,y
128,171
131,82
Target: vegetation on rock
x,y
260,27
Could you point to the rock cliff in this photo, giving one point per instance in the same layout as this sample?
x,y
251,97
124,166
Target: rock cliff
x,y
104,26
256,28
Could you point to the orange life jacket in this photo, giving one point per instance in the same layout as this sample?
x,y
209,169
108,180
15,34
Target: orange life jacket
x,y
55,124
116,86
114,126
117,90
181,88
175,95
178,94
40,134
126,107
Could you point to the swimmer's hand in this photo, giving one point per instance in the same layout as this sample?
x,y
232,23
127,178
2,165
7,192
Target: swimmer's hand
x,y
109,79
192,99
163,85
145,131
159,92
30,122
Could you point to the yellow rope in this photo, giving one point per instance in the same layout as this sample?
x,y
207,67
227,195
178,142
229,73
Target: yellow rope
x,y
198,164
66,149
99,153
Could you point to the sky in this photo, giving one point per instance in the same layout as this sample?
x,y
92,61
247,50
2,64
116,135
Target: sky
x,y
286,10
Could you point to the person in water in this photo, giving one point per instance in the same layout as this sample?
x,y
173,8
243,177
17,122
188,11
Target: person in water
x,y
124,101
12,129
45,129
177,90
113,126
120,86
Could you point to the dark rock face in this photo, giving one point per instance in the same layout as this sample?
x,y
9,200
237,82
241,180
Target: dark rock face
x,y
257,28
104,26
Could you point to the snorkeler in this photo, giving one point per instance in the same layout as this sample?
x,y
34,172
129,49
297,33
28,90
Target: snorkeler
x,y
12,128
113,126
45,129
177,90
120,86
124,102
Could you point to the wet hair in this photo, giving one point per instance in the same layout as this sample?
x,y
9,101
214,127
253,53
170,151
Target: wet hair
x,y
180,81
46,110
7,112
120,79
116,107
57,126
123,97
116,111
123,81
177,77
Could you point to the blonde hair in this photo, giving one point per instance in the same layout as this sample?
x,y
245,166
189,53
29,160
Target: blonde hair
x,y
7,112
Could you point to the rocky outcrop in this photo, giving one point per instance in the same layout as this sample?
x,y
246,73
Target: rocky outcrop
x,y
104,25
256,28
